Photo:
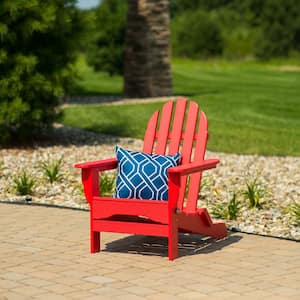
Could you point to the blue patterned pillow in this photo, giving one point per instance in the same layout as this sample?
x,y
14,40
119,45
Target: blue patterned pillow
x,y
143,176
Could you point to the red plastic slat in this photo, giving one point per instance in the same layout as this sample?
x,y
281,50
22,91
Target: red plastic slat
x,y
195,181
130,227
164,128
176,134
105,207
201,138
190,127
199,223
150,133
101,165
194,167
182,136
187,146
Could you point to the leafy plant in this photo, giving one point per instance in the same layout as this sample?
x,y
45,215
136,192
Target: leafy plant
x,y
228,210
106,184
233,207
254,193
293,210
52,169
24,184
219,210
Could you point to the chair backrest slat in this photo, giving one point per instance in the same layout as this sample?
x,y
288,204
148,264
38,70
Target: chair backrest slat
x,y
177,136
193,193
202,137
163,133
150,133
187,147
189,132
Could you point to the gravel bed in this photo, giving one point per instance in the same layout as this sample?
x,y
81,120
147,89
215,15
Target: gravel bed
x,y
279,177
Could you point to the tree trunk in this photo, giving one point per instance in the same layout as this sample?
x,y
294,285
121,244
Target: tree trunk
x,y
147,66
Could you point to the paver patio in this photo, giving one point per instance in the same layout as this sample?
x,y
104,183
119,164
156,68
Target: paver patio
x,y
44,254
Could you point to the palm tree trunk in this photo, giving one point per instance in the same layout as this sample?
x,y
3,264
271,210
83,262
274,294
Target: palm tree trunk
x,y
147,67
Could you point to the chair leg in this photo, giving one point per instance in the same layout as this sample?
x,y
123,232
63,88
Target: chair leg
x,y
95,241
173,242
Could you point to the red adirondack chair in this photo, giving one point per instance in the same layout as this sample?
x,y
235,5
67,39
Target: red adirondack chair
x,y
163,218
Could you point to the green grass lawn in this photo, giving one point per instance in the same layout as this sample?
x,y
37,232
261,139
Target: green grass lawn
x,y
251,107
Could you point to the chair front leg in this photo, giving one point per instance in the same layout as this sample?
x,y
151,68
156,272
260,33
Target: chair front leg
x,y
95,241
94,235
173,239
174,185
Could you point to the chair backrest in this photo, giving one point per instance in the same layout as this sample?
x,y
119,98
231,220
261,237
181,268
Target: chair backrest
x,y
182,128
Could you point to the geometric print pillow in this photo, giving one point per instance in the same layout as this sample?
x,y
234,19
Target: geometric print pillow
x,y
143,176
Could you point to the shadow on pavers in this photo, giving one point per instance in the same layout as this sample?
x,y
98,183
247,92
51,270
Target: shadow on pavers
x,y
189,244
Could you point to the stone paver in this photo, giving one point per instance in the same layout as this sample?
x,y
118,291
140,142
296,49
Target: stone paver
x,y
44,254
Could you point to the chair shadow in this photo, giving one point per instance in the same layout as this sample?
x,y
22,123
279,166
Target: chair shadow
x,y
189,244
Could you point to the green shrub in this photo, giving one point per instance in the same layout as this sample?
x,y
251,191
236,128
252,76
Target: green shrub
x,y
38,40
106,50
280,28
239,43
24,184
238,35
196,34
250,27
52,170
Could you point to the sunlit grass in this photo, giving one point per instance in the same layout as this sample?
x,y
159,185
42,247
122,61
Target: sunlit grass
x,y
252,107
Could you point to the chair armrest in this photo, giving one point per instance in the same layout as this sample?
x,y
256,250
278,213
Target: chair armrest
x,y
194,167
90,175
100,165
